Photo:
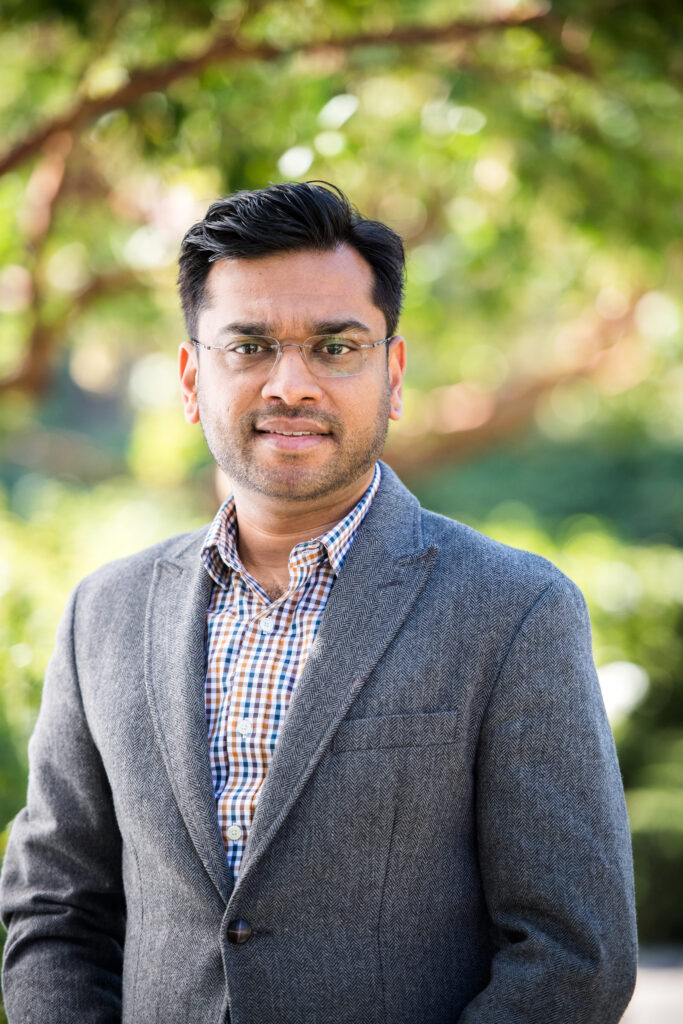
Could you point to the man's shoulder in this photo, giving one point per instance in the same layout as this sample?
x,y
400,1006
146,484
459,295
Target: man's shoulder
x,y
471,559
469,563
134,571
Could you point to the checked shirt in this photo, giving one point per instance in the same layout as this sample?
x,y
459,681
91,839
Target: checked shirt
x,y
256,651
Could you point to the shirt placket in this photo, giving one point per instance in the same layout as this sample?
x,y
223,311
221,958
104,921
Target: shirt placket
x,y
253,722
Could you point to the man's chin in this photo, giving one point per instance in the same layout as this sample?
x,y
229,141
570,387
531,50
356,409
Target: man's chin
x,y
294,479
292,483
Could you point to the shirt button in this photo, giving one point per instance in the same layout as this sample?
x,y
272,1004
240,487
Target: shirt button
x,y
244,727
234,832
267,625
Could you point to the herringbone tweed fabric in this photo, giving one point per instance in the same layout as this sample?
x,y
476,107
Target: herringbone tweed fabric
x,y
441,836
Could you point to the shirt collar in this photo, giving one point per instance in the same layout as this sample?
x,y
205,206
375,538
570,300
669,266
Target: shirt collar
x,y
220,556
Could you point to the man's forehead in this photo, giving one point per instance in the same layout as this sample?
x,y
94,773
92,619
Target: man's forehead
x,y
299,286
306,270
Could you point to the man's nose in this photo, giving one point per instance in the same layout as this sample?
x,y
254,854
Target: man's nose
x,y
291,380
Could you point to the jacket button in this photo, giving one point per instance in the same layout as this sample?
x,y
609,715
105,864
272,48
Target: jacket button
x,y
239,932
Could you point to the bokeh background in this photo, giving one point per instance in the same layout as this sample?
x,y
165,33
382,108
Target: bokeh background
x,y
530,154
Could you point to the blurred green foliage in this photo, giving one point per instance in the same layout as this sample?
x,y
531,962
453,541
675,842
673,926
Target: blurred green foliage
x,y
534,171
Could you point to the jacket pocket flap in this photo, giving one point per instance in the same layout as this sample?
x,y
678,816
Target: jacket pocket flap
x,y
396,731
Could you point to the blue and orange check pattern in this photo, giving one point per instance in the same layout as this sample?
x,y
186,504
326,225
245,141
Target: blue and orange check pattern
x,y
256,651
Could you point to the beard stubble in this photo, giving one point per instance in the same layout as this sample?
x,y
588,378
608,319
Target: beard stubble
x,y
351,457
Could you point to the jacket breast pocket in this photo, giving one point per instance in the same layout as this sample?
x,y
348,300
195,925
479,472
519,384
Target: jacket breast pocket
x,y
428,730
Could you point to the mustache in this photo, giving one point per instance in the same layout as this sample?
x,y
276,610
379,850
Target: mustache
x,y
288,412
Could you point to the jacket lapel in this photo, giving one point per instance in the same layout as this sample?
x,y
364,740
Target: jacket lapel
x,y
175,633
383,574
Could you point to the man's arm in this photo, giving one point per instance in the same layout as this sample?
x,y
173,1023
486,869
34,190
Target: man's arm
x,y
61,891
553,834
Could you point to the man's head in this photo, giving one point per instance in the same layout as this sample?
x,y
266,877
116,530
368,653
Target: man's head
x,y
289,263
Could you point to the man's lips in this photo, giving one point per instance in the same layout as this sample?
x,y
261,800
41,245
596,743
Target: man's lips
x,y
291,435
291,428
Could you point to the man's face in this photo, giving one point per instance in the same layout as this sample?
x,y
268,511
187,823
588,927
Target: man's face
x,y
248,419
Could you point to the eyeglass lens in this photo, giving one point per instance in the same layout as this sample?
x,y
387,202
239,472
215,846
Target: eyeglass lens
x,y
326,356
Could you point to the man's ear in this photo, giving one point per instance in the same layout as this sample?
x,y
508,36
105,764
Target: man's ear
x,y
188,368
396,351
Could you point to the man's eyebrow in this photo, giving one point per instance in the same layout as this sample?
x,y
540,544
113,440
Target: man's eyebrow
x,y
262,329
339,326
258,328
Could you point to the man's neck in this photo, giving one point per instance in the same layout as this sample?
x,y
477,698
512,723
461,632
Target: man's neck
x,y
268,529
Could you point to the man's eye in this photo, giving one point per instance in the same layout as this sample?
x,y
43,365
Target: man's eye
x,y
249,347
336,346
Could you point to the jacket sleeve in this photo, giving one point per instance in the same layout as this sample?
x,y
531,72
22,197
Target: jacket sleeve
x,y
553,835
61,892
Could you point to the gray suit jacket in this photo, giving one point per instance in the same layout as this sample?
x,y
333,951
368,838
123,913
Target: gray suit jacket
x,y
441,836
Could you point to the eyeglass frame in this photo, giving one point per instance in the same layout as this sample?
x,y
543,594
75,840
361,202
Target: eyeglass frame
x,y
300,345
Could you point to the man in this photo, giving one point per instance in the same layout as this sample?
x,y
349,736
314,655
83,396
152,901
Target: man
x,y
338,759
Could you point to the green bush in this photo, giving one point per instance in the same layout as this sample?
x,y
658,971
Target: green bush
x,y
656,817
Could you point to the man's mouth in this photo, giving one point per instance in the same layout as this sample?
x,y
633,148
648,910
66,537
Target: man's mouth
x,y
292,436
291,426
292,433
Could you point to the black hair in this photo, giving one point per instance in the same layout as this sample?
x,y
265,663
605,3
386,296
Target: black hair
x,y
289,217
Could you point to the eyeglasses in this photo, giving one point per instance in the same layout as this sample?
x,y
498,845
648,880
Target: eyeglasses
x,y
325,355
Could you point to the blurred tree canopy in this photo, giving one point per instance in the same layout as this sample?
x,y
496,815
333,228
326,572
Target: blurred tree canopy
x,y
530,154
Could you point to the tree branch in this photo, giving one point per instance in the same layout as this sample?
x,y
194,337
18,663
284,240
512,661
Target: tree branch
x,y
485,419
45,186
43,190
34,372
228,48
